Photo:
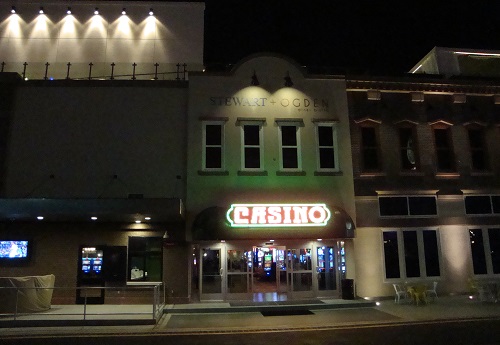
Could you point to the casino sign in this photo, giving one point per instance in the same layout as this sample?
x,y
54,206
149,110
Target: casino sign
x,y
278,215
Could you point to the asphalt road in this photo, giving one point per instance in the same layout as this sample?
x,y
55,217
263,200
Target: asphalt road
x,y
476,332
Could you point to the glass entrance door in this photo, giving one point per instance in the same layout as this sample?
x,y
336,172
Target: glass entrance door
x,y
300,272
326,269
212,282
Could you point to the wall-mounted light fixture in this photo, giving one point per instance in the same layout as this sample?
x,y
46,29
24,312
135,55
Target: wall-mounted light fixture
x,y
255,80
151,12
96,11
124,11
13,10
41,11
288,80
68,11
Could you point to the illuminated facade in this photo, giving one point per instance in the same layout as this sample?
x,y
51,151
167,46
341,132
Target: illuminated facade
x,y
101,40
270,188
260,182
425,161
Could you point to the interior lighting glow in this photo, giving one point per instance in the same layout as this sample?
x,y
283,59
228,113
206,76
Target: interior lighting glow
x,y
96,11
477,54
41,11
68,11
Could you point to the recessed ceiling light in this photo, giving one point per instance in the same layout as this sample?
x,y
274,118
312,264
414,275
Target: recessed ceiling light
x,y
96,11
13,10
124,11
147,218
68,11
93,218
151,12
41,10
137,221
39,218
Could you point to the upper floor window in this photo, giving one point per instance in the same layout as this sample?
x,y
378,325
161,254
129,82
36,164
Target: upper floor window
x,y
370,149
408,148
407,206
290,155
411,254
213,145
445,158
251,145
485,250
482,204
479,160
326,139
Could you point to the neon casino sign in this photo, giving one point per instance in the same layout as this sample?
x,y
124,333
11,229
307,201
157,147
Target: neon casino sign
x,y
278,215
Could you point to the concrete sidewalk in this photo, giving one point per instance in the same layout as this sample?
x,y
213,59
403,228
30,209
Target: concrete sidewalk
x,y
203,317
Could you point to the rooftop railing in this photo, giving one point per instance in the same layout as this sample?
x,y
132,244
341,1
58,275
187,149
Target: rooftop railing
x,y
97,71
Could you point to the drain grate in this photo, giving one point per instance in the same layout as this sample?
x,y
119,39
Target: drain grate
x,y
286,312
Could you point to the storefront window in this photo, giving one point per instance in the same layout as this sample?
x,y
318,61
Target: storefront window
x,y
485,250
391,254
145,259
411,254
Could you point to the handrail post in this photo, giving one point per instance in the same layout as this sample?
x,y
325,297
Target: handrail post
x,y
17,301
85,307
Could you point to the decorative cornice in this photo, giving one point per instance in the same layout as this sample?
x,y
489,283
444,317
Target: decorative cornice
x,y
476,86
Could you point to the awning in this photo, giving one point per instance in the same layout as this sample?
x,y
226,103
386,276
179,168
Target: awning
x,y
211,224
160,210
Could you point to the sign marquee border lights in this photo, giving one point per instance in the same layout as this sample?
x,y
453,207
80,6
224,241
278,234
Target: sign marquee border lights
x,y
277,215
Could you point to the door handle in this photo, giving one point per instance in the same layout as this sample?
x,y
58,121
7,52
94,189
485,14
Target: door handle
x,y
221,271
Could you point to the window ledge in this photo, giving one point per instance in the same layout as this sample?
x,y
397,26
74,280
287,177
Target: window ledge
x,y
411,173
213,173
328,173
290,173
142,283
482,173
449,175
252,173
372,174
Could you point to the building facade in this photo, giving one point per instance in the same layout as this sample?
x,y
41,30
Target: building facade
x,y
259,182
426,170
270,187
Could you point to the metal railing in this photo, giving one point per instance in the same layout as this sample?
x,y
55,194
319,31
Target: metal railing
x,y
118,303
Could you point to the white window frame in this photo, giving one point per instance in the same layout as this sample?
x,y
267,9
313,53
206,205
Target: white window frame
x,y
487,251
408,215
297,124
492,211
334,146
260,146
421,255
222,124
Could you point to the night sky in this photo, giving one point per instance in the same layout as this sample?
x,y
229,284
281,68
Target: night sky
x,y
354,37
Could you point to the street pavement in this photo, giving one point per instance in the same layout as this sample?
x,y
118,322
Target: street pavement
x,y
182,321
